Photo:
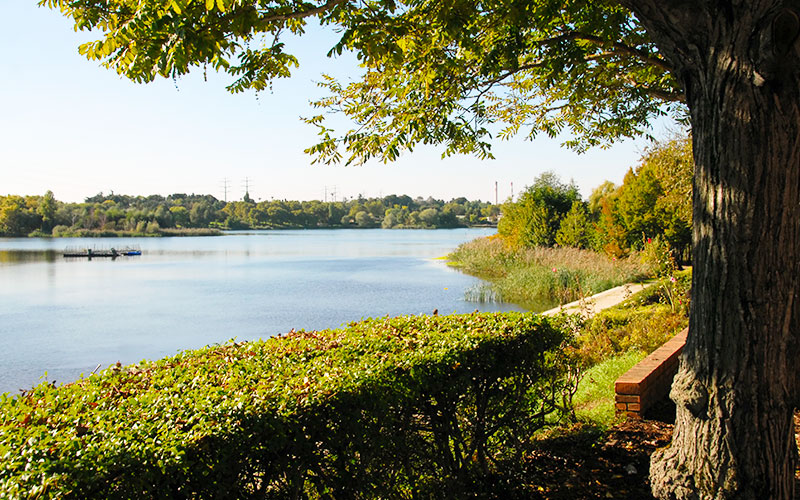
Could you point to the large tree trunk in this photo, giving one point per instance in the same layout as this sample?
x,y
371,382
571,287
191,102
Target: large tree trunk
x,y
737,384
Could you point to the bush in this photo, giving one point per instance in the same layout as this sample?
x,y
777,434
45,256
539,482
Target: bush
x,y
413,406
60,230
642,323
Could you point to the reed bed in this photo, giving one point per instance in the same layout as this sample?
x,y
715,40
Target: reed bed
x,y
540,278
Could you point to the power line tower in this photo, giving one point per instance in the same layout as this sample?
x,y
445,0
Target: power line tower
x,y
225,189
246,188
329,190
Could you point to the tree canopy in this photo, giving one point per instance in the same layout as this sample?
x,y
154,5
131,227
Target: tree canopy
x,y
455,73
654,201
535,218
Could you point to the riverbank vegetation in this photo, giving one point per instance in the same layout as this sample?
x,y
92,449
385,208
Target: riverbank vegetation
x,y
612,341
415,406
181,214
653,202
539,278
553,248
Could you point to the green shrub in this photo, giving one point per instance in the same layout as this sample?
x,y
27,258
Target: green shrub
x,y
60,230
412,406
642,323
38,233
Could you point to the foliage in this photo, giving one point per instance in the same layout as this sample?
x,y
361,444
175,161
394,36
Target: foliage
x,y
642,323
535,218
384,408
654,202
615,339
540,278
575,229
432,73
656,253
121,215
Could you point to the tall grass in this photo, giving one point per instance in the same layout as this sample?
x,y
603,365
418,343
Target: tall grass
x,y
540,278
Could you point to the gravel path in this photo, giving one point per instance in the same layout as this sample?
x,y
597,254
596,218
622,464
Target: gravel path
x,y
596,303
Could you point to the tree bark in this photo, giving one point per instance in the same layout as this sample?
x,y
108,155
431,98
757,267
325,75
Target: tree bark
x,y
737,384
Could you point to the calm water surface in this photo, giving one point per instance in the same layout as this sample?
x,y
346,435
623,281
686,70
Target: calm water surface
x,y
66,316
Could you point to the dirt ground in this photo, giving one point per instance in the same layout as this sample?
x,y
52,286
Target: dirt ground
x,y
585,464
590,464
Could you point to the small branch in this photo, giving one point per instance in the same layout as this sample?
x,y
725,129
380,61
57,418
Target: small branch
x,y
303,14
664,95
619,46
627,49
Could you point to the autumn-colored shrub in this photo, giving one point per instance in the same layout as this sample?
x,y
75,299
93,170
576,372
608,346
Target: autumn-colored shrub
x,y
642,323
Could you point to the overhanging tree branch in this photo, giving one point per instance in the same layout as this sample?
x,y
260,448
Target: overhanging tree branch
x,y
305,13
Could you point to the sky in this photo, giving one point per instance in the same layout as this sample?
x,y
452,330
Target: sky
x,y
73,127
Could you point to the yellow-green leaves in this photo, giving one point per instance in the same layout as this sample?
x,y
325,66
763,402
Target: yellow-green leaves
x,y
434,72
235,418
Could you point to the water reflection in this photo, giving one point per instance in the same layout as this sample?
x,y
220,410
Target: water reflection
x,y
25,256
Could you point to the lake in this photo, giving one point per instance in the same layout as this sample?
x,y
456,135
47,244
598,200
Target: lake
x,y
64,316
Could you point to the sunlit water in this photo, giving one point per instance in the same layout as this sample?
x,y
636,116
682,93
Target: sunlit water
x,y
65,316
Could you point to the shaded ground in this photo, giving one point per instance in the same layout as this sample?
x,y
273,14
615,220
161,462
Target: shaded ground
x,y
587,463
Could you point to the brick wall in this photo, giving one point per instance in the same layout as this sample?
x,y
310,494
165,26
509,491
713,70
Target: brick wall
x,y
650,380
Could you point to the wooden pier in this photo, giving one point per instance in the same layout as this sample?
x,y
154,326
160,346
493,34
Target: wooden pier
x,y
102,252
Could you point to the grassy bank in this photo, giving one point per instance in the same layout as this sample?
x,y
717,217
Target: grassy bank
x,y
614,340
540,278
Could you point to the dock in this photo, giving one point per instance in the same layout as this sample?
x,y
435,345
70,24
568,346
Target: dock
x,y
102,252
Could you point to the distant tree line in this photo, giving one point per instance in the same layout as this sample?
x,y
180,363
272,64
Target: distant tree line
x,y
123,214
654,202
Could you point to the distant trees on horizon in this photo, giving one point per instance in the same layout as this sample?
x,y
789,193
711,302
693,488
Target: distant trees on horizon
x,y
129,215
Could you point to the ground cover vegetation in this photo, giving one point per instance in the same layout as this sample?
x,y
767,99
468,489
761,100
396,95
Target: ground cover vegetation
x,y
415,406
455,73
192,215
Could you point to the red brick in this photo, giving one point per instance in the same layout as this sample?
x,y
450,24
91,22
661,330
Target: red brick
x,y
626,387
651,379
624,398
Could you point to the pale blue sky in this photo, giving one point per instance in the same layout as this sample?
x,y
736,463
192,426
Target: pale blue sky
x,y
68,125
